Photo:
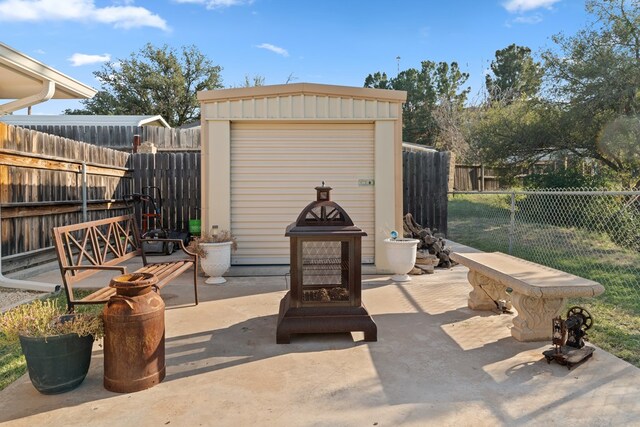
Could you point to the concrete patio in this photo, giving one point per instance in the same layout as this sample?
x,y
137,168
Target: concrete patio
x,y
435,363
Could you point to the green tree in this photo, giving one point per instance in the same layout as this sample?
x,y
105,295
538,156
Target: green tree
x,y
595,77
515,75
378,80
426,89
516,135
154,80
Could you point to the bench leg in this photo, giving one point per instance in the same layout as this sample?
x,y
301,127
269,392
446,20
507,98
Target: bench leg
x,y
534,321
195,281
485,292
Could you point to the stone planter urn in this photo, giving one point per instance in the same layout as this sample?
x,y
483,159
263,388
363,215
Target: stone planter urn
x,y
401,254
216,261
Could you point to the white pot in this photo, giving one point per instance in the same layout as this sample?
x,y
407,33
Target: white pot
x,y
401,254
217,261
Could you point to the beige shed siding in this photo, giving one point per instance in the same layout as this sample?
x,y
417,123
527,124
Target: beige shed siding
x,y
274,169
301,107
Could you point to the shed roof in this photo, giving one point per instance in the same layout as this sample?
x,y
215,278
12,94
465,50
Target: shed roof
x,y
306,89
22,76
84,120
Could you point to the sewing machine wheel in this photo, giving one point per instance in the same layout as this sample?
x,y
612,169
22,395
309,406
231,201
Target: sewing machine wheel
x,y
586,316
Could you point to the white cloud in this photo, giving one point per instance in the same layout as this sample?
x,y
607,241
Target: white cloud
x,y
519,6
129,17
273,48
79,10
531,19
217,4
78,59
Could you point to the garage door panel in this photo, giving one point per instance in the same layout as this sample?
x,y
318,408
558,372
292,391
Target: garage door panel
x,y
319,171
265,162
274,169
251,199
275,206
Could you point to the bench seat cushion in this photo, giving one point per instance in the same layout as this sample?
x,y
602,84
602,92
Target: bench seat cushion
x,y
527,277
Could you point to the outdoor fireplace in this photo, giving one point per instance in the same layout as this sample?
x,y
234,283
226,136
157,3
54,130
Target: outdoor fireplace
x,y
326,282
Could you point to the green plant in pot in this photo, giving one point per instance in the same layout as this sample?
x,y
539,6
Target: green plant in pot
x,y
57,346
214,250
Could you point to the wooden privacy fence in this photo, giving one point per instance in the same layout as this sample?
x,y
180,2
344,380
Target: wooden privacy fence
x,y
42,181
114,137
172,139
475,178
42,185
425,186
121,137
177,175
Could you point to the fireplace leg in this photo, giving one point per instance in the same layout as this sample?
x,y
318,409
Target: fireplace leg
x,y
283,338
371,334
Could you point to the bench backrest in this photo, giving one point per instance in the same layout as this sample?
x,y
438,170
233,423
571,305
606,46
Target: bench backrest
x,y
103,242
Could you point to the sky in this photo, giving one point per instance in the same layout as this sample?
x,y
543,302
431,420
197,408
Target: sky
x,y
335,42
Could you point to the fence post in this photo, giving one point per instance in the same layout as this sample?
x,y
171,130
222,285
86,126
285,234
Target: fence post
x,y
84,192
512,222
136,143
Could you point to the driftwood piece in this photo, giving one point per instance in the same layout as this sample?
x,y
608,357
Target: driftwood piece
x,y
429,244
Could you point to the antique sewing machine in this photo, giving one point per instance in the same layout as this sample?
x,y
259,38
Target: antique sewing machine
x,y
568,338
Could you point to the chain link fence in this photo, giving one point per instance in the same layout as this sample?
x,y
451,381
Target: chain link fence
x,y
590,233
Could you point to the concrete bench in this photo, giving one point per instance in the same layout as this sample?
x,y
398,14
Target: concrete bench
x,y
538,293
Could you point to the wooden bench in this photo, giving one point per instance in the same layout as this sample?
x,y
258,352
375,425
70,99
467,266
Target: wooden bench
x,y
538,293
90,247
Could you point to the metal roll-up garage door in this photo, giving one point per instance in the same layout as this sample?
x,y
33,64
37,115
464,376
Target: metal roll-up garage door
x,y
274,170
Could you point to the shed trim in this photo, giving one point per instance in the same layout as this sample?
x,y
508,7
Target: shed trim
x,y
301,119
303,88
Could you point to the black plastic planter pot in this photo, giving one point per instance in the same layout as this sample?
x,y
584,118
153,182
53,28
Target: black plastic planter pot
x,y
58,363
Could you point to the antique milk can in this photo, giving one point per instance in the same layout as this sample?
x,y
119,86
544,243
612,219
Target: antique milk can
x,y
133,334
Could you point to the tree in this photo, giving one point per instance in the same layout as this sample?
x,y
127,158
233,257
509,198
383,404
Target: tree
x,y
426,88
453,129
515,75
516,135
595,77
154,81
255,81
378,80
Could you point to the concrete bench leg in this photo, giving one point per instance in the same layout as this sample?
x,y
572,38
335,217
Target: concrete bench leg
x,y
535,315
485,292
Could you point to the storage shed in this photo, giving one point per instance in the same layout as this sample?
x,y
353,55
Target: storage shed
x,y
265,149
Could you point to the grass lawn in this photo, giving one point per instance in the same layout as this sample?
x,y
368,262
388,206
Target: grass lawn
x,y
12,363
482,221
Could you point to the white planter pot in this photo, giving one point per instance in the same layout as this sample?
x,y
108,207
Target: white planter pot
x,y
401,254
217,261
